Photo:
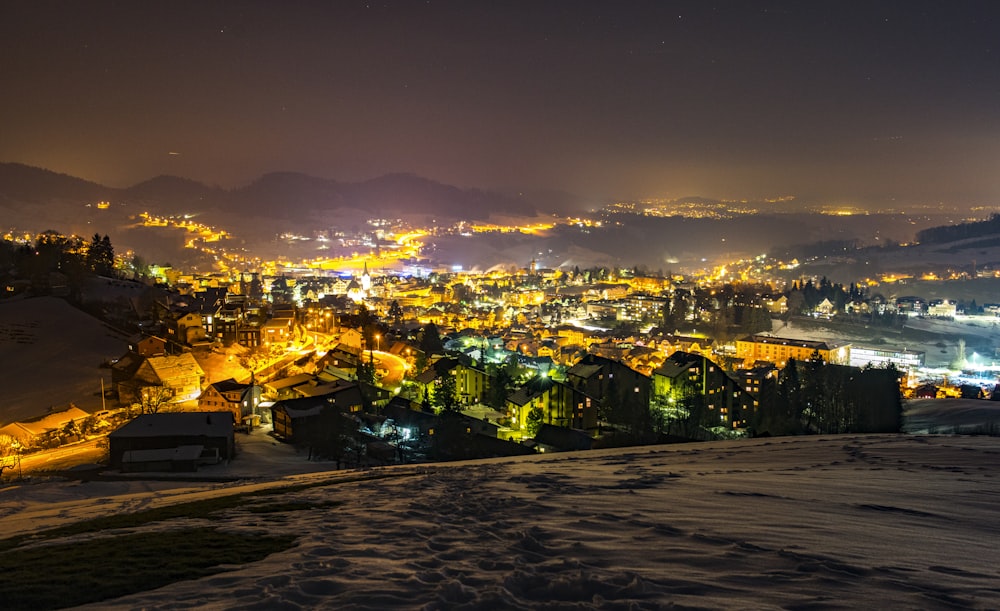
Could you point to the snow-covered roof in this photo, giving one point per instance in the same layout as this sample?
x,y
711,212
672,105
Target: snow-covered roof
x,y
209,424
174,367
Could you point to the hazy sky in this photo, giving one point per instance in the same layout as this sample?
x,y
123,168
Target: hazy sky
x,y
851,102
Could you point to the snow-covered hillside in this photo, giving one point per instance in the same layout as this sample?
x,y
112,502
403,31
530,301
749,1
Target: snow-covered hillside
x,y
50,355
819,523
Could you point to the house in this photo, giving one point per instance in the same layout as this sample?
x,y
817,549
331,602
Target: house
x,y
39,431
471,383
776,304
486,414
428,380
684,374
857,306
533,395
276,331
149,345
291,418
284,388
213,432
344,357
242,400
697,345
942,308
352,338
759,381
124,368
925,391
826,307
596,377
415,422
180,375
186,328
316,387
559,439
561,404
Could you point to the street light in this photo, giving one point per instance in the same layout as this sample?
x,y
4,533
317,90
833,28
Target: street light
x,y
378,339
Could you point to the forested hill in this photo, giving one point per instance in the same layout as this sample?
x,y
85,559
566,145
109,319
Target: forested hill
x,y
963,231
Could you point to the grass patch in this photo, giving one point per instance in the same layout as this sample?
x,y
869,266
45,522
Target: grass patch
x,y
204,508
81,572
291,506
193,509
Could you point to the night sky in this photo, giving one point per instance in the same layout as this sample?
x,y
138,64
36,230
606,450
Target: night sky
x,y
868,103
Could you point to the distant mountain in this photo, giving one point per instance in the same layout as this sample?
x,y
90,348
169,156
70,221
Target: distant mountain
x,y
23,184
165,188
402,193
286,193
279,195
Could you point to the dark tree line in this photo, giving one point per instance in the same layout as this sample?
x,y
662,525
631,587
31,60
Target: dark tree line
x,y
331,434
728,310
962,231
628,412
53,254
817,397
806,296
100,256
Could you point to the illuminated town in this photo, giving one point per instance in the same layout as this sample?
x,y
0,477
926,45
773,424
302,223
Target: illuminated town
x,y
519,353
458,304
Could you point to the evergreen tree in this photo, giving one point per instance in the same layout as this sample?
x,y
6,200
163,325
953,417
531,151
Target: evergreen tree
x,y
444,396
796,304
451,438
396,312
329,435
368,325
784,415
533,421
101,255
622,408
498,387
430,340
365,371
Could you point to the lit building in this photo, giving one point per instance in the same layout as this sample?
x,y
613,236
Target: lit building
x,y
904,360
942,308
229,395
684,374
779,350
641,307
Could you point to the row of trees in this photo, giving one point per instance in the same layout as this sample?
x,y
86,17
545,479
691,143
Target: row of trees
x,y
818,397
52,252
950,233
808,397
804,297
727,311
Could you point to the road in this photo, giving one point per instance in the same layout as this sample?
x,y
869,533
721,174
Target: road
x,y
395,367
65,457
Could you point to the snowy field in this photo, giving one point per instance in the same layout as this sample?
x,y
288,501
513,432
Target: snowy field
x,y
908,522
938,338
50,355
951,416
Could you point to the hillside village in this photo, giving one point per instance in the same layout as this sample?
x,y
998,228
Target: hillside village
x,y
386,368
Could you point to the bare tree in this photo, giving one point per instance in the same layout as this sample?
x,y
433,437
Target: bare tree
x,y
10,454
154,398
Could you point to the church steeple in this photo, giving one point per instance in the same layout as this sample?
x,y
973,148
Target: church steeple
x,y
366,280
